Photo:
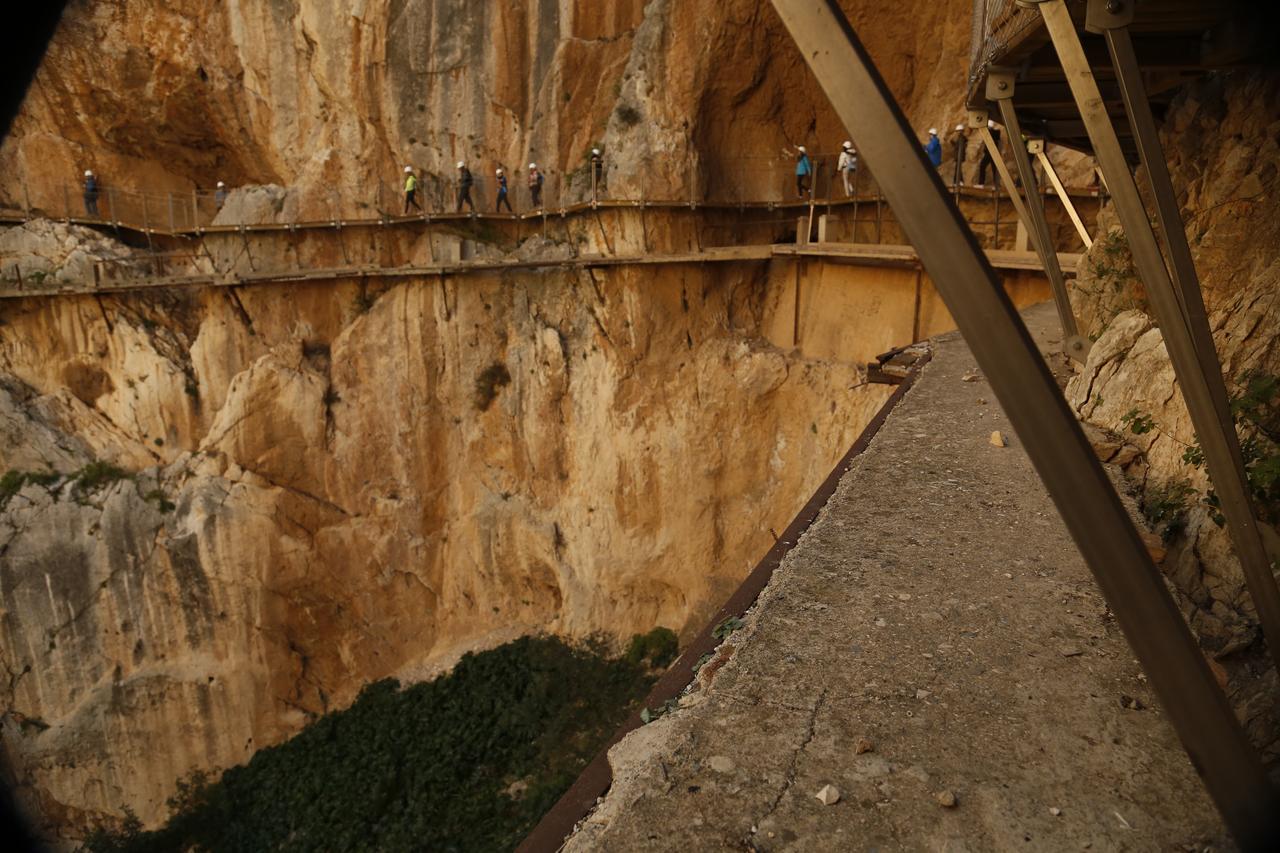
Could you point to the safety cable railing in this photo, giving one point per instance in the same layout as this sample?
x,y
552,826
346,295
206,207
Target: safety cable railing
x,y
996,25
743,181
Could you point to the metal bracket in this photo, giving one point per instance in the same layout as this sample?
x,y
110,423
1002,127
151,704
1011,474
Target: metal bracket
x,y
1108,15
1000,83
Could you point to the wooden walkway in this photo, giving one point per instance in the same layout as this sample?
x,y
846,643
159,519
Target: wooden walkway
x,y
850,253
15,216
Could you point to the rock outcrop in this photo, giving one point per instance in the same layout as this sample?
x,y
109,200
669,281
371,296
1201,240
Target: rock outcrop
x,y
1222,139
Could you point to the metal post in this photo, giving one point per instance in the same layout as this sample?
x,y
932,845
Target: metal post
x,y
172,225
995,190
1191,351
1000,88
66,203
111,206
1036,146
879,209
856,173
1080,488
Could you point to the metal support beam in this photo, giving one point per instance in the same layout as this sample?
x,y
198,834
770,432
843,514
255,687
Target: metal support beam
x,y
1194,361
1000,88
1036,146
1053,439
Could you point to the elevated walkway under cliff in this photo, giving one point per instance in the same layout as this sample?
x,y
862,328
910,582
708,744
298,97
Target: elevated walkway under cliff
x,y
934,648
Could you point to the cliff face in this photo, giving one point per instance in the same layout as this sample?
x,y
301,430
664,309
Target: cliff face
x,y
1221,139
329,485
335,97
319,486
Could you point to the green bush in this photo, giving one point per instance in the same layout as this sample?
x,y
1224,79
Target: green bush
x,y
97,474
658,648
425,767
1256,411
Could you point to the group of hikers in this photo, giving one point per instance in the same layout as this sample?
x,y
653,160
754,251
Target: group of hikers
x,y
846,165
847,162
466,182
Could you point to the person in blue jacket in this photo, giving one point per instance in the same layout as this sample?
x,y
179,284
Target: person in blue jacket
x,y
804,169
934,148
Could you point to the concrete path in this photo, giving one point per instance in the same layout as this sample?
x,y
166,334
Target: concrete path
x,y
936,650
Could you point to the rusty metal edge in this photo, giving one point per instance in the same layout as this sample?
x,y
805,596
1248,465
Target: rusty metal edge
x,y
555,826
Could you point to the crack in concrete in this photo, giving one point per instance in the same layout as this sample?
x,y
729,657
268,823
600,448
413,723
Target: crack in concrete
x,y
794,764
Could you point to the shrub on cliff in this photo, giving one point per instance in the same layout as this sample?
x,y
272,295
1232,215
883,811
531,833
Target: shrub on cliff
x,y
467,762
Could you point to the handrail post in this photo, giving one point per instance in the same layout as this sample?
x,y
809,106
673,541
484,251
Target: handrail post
x,y
66,203
1001,86
172,225
1031,399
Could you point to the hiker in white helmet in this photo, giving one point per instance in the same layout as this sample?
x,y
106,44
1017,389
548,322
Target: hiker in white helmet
x,y
535,185
986,158
933,148
91,194
848,167
220,195
597,172
410,190
502,192
465,182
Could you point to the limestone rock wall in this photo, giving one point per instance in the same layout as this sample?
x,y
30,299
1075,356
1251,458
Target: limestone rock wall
x,y
323,485
1222,139
334,97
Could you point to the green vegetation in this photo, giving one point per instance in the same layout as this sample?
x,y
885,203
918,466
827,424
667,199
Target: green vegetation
x,y
97,474
727,627
1165,507
1112,262
1137,422
468,762
492,378
12,482
1256,411
658,648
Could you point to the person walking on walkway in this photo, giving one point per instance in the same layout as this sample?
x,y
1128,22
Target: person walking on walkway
x,y
848,166
933,148
410,190
91,194
535,185
986,157
961,144
220,195
465,182
502,192
597,172
804,170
